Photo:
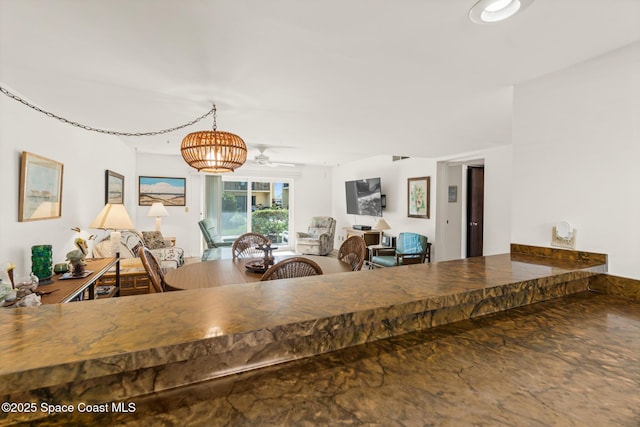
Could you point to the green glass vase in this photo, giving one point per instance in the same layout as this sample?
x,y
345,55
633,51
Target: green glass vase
x,y
42,261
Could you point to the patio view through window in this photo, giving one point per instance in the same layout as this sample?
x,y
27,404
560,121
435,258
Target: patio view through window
x,y
258,206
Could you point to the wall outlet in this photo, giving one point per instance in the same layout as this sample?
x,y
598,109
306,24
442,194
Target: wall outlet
x,y
560,242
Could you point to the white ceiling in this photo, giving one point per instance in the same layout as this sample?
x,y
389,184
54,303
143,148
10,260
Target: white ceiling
x,y
325,81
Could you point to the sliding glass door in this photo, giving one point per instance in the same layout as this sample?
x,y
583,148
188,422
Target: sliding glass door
x,y
234,209
260,206
270,210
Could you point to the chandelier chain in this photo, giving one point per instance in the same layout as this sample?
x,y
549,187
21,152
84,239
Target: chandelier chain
x,y
105,131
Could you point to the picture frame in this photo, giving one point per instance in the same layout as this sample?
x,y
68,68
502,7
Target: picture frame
x,y
113,188
418,196
169,191
40,188
453,194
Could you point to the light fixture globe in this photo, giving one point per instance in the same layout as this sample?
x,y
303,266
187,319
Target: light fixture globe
x,y
214,151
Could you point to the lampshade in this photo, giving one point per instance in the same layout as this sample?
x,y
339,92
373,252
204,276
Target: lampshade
x,y
113,217
213,150
381,225
157,209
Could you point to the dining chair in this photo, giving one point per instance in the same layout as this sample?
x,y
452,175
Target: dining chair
x,y
292,267
353,251
246,246
152,267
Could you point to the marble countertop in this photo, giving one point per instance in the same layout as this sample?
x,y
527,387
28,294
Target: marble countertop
x,y
132,346
572,361
126,325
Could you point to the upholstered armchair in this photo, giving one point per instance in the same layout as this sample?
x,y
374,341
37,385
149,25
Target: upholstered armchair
x,y
411,248
318,239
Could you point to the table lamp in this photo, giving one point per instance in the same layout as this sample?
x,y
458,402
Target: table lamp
x,y
113,217
381,225
158,210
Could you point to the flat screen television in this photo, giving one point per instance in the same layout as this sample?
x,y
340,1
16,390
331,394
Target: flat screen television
x,y
364,197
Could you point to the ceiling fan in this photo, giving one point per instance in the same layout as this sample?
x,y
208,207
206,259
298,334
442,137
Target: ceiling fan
x,y
263,160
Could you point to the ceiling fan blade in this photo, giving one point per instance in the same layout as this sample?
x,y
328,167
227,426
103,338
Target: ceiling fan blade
x,y
276,164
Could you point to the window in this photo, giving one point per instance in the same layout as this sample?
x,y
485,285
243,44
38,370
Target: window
x,y
260,206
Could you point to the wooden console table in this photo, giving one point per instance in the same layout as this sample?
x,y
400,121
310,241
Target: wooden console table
x,y
133,277
371,237
68,289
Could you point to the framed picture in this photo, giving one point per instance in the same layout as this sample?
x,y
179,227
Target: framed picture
x,y
114,188
418,195
40,188
169,191
453,193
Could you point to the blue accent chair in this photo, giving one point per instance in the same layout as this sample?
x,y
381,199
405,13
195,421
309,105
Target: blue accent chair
x,y
411,248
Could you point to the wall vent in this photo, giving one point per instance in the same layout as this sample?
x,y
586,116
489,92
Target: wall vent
x,y
396,158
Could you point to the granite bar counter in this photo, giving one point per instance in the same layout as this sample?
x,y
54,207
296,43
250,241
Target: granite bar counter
x,y
570,361
126,348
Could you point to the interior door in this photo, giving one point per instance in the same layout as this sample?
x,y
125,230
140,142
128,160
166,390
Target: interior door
x,y
475,210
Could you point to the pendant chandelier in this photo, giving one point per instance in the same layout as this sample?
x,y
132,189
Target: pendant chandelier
x,y
213,150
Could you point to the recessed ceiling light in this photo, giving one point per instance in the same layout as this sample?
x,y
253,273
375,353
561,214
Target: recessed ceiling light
x,y
489,11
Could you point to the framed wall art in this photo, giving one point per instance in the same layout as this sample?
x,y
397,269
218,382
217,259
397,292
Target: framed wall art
x,y
114,188
418,195
40,188
169,191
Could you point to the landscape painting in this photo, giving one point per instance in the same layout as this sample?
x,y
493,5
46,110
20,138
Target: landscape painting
x,y
114,188
169,191
40,188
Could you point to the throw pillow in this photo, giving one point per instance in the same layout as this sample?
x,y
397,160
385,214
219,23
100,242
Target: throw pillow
x,y
154,240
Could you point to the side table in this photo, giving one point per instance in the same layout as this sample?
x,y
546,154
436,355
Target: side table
x,y
133,277
61,291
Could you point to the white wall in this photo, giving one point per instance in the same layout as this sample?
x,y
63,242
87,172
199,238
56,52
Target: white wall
x,y
451,238
182,222
394,175
393,179
498,188
452,247
575,152
312,196
311,186
85,155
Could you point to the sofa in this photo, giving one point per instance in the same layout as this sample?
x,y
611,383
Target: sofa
x,y
131,240
318,239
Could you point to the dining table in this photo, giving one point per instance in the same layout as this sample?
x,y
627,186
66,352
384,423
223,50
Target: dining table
x,y
220,272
